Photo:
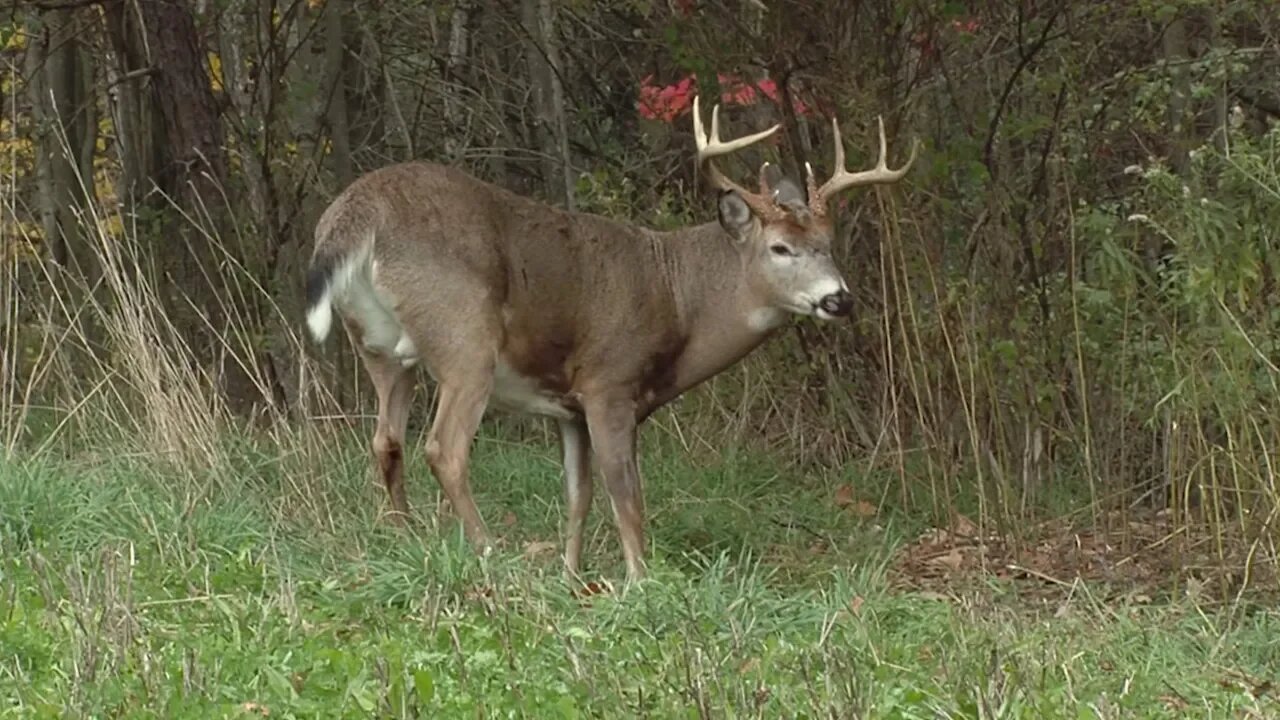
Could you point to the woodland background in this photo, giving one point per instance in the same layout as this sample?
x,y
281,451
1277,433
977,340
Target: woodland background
x,y
1068,308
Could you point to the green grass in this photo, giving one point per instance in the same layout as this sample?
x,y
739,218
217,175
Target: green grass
x,y
131,591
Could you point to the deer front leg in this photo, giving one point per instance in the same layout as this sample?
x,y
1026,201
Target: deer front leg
x,y
612,427
576,452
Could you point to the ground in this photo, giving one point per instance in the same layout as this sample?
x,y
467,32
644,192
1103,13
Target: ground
x,y
128,589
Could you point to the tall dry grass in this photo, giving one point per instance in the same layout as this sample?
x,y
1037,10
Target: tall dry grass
x,y
95,362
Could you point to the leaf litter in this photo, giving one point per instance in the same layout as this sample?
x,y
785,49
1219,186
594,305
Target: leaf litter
x,y
1137,555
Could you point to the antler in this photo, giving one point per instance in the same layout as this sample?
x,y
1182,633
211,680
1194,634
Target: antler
x,y
710,146
843,179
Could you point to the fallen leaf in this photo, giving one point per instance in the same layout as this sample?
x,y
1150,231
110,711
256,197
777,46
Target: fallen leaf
x,y
864,509
934,536
843,496
952,560
593,588
534,549
855,605
963,526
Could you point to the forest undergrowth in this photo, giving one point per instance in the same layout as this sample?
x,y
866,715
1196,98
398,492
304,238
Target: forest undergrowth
x,y
164,555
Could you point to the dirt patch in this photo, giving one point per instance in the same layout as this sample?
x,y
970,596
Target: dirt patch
x,y
1124,554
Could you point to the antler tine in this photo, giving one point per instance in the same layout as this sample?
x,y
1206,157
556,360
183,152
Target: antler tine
x,y
842,179
710,146
835,132
765,188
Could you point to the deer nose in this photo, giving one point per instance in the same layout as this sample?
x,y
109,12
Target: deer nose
x,y
837,304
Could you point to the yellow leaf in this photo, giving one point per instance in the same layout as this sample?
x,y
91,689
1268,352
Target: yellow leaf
x,y
215,72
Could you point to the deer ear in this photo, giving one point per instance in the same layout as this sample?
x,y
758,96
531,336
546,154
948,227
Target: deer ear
x,y
789,194
735,215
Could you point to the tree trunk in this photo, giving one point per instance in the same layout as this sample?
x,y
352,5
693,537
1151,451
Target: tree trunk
x,y
193,127
455,67
193,176
1176,54
550,37
543,58
321,120
61,107
36,58
336,76
127,74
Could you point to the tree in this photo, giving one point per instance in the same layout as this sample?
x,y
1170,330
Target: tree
x,y
195,161
61,88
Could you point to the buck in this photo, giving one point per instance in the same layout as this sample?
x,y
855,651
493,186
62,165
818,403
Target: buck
x,y
592,322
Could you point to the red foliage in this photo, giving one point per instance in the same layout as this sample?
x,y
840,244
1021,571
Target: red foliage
x,y
666,103
925,40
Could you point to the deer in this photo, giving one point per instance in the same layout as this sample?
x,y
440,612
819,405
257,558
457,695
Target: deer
x,y
518,306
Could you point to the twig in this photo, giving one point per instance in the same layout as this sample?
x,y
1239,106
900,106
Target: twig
x,y
1037,574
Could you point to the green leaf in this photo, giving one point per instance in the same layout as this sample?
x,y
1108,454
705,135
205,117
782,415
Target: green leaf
x,y
424,685
1007,351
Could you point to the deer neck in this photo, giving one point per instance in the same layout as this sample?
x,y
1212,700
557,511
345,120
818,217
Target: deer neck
x,y
725,317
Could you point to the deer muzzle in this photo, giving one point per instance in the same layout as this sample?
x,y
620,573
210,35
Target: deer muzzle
x,y
836,305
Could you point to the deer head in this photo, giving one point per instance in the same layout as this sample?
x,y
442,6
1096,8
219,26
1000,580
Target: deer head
x,y
784,236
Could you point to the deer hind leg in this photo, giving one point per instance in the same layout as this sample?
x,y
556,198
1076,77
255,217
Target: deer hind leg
x,y
612,425
461,405
393,383
575,448
394,386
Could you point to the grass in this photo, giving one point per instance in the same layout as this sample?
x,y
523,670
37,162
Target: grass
x,y
127,590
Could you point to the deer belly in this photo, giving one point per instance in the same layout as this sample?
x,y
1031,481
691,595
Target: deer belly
x,y
517,393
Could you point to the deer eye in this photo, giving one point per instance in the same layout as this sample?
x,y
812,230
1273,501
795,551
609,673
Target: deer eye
x,y
782,250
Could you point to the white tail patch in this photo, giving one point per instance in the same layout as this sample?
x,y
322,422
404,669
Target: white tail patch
x,y
353,291
320,318
406,351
